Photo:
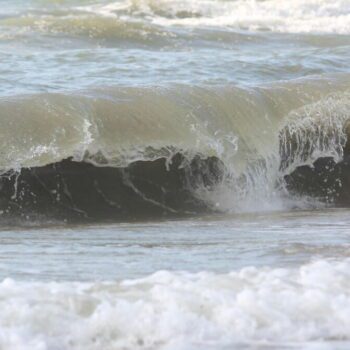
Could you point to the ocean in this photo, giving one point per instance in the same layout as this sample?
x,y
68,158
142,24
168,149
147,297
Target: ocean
x,y
175,174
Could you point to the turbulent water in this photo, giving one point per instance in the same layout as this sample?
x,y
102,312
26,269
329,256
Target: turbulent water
x,y
121,115
239,282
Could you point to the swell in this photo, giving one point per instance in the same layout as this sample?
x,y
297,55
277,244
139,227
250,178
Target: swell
x,y
130,153
91,27
85,26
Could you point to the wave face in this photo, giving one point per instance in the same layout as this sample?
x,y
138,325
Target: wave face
x,y
115,152
252,308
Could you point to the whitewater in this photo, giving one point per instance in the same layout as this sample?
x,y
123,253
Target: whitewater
x,y
174,174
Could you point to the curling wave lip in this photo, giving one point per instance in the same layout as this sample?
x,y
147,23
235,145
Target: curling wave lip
x,y
225,148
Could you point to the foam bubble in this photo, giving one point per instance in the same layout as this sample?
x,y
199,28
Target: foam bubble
x,y
298,16
301,307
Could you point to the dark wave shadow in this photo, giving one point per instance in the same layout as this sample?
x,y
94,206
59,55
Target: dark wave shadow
x,y
326,181
81,192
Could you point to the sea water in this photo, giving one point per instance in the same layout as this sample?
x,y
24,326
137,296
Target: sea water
x,y
153,160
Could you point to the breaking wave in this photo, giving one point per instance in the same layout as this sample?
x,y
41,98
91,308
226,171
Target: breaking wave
x,y
121,153
158,22
252,308
322,16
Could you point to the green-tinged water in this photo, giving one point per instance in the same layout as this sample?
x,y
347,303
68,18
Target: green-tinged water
x,y
174,174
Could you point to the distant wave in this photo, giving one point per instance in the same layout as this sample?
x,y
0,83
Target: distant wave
x,y
218,148
322,16
159,22
88,26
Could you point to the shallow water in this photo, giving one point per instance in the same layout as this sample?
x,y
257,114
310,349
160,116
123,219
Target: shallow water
x,y
250,281
214,243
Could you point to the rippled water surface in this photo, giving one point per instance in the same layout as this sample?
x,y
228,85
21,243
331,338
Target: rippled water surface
x,y
69,45
219,244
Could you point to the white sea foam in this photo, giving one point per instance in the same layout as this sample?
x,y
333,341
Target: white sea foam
x,y
297,16
251,307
